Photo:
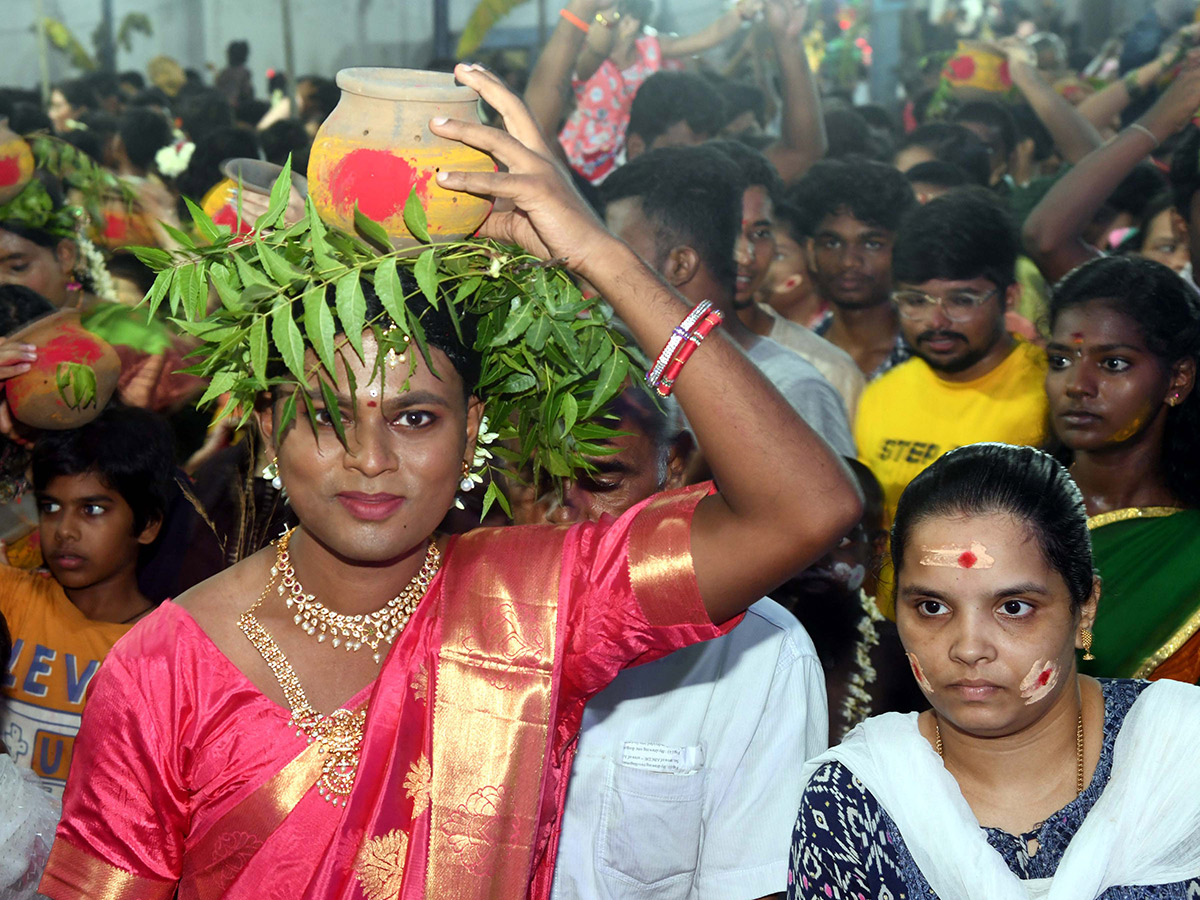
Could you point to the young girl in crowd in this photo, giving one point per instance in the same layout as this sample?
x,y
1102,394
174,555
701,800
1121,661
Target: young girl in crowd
x,y
1121,385
1025,779
204,767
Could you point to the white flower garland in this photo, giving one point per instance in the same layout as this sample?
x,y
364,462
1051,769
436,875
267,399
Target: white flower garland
x,y
482,455
97,271
857,705
172,160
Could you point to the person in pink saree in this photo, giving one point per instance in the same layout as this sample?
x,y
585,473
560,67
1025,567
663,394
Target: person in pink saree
x,y
203,768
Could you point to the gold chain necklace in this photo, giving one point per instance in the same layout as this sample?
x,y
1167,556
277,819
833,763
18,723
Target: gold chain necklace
x,y
351,632
339,735
937,730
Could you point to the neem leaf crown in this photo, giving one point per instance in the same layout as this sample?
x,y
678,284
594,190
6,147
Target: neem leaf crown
x,y
550,363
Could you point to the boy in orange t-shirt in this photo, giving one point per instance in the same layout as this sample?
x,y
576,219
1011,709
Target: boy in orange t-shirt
x,y
101,492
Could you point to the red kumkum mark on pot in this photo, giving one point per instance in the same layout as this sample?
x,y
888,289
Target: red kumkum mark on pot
x,y
378,181
67,348
968,559
10,170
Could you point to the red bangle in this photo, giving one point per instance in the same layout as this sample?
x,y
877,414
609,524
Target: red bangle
x,y
694,340
575,20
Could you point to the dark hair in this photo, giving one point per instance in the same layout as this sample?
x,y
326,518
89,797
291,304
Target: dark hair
x,y
756,169
96,137
669,97
993,115
250,111
78,93
878,118
325,97
28,118
872,192
204,168
1166,311
19,306
150,97
690,195
1029,126
237,53
740,97
287,136
955,144
961,235
1135,242
936,172
848,134
1027,484
131,450
793,220
1137,189
144,132
132,79
204,114
1185,172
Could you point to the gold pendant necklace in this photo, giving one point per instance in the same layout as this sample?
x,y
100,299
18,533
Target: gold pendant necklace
x,y
937,731
339,735
351,632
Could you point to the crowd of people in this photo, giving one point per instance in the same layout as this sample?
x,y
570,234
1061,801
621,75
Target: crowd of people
x,y
872,581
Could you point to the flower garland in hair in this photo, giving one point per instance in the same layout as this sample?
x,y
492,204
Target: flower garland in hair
x,y
173,159
856,707
550,361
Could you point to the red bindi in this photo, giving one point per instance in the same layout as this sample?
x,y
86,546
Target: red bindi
x,y
371,404
967,559
1077,337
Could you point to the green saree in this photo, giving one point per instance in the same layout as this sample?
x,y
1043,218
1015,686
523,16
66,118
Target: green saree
x,y
1150,600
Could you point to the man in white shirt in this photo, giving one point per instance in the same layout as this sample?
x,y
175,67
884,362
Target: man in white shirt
x,y
687,777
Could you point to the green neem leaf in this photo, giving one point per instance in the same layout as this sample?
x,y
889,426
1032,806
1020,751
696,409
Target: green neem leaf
x,y
517,383
539,331
227,287
414,218
259,354
495,495
287,339
158,290
391,294
609,382
204,223
220,383
152,257
425,271
282,272
76,384
322,254
331,408
248,274
514,326
371,230
279,198
318,325
180,237
288,414
352,309
569,412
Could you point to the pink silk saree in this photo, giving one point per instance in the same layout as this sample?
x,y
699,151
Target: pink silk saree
x,y
187,778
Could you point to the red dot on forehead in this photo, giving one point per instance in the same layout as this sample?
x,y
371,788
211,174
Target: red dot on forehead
x,y
967,559
372,404
1077,337
1044,678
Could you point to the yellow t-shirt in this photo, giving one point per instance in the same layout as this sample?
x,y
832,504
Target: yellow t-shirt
x,y
909,416
57,651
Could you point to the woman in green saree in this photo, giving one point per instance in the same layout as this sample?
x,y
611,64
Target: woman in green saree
x,y
1121,384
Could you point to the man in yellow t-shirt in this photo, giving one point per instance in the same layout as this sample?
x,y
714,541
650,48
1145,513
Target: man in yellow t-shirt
x,y
970,381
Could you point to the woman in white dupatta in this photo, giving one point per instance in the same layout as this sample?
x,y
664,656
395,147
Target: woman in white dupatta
x,y
1025,779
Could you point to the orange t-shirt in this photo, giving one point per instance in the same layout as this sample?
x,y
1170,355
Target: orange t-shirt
x,y
57,651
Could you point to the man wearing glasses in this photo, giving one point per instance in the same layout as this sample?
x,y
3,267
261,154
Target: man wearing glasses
x,y
969,380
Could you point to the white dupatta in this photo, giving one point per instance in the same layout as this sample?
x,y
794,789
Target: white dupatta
x,y
1144,829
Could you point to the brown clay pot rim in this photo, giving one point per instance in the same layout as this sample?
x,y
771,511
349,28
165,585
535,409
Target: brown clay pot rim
x,y
69,314
386,83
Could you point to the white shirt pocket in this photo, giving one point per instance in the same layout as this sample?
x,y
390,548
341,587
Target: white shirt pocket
x,y
651,823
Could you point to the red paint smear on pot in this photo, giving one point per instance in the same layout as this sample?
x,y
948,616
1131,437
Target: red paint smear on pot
x,y
68,348
968,559
10,170
378,181
227,215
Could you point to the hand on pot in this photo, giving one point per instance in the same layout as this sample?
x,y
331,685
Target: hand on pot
x,y
16,359
254,204
544,212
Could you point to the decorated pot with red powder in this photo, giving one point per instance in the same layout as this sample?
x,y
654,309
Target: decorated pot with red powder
x,y
73,378
977,70
376,148
16,163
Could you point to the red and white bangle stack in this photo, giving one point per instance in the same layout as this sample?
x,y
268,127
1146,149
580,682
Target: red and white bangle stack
x,y
685,339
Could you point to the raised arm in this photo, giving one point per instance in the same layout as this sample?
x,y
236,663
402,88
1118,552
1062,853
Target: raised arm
x,y
721,30
1053,232
785,496
803,140
550,80
1103,106
1074,136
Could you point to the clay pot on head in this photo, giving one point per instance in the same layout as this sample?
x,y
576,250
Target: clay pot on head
x,y
376,147
16,163
35,398
977,71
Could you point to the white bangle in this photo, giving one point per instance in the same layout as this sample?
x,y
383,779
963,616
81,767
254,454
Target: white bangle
x,y
1137,126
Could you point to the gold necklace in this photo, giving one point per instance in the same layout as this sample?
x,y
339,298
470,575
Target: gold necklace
x,y
351,632
937,731
339,735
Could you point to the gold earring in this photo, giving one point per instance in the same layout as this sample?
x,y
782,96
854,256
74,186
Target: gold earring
x,y
1085,637
466,484
271,474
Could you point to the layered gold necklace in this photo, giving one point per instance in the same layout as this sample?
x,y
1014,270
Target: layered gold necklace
x,y
338,735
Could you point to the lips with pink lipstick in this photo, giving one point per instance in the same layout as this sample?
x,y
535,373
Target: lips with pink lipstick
x,y
370,507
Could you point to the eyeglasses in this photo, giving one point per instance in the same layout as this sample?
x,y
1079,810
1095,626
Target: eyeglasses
x,y
957,307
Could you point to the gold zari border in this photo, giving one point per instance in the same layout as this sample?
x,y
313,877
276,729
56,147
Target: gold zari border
x,y
1134,512
72,873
